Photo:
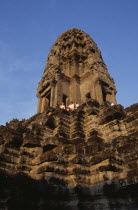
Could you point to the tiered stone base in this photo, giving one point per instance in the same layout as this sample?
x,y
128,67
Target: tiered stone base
x,y
84,159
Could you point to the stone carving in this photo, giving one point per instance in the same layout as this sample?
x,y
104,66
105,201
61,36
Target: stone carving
x,y
76,66
84,159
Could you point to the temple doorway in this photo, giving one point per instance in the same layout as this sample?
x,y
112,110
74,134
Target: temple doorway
x,y
65,99
104,95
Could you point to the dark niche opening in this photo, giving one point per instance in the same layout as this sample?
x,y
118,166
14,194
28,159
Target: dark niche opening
x,y
48,96
48,147
104,95
92,50
105,90
64,99
88,95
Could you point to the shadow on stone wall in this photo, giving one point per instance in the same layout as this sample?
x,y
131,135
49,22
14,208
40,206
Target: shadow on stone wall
x,y
21,192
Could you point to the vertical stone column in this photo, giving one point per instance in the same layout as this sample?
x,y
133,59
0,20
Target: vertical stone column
x,y
39,104
92,92
75,89
52,98
98,92
92,86
74,67
43,106
113,98
58,89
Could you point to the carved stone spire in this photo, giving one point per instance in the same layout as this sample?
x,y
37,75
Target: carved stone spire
x,y
74,71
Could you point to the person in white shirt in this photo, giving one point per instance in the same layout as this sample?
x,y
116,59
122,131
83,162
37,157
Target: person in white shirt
x,y
111,103
62,106
71,106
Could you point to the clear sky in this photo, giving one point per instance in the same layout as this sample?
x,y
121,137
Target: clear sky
x,y
28,29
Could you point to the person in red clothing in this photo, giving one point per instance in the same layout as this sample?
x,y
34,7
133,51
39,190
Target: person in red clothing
x,y
71,107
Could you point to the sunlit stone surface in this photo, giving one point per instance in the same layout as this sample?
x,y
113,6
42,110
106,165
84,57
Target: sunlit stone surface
x,y
84,159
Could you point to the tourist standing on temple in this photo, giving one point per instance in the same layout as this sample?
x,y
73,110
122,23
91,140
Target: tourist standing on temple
x,y
111,103
62,106
71,107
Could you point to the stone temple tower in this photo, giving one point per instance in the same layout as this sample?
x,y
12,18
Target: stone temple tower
x,y
75,71
86,158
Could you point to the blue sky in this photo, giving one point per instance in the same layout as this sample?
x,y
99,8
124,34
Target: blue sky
x,y
28,29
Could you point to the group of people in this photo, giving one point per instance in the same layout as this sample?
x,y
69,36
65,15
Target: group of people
x,y
71,107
